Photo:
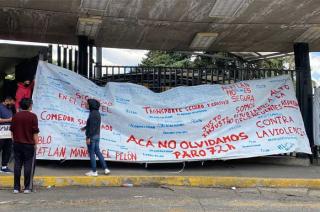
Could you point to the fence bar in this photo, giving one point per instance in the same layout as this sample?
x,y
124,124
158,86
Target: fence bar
x,y
223,76
65,57
170,78
59,55
159,80
75,68
70,60
164,78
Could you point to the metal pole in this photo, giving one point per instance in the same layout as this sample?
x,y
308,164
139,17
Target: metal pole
x,y
99,62
304,87
50,54
83,55
90,58
65,57
59,55
70,59
76,59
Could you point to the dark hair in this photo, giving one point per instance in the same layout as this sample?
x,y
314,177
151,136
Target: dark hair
x,y
7,98
25,103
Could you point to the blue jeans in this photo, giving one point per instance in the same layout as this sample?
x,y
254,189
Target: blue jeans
x,y
94,151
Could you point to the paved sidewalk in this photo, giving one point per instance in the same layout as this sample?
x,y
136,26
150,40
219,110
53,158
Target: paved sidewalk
x,y
172,199
239,173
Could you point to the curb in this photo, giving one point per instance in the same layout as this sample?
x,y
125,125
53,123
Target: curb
x,y
193,181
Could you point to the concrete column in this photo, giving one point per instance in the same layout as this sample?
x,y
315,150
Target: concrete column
x,y
76,59
304,86
83,55
90,58
50,54
98,70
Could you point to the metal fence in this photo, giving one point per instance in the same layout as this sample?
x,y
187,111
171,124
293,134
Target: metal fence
x,y
159,79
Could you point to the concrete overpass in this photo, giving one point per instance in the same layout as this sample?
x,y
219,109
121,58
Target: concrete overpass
x,y
218,25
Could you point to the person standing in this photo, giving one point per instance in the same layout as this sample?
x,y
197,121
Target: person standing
x,y
6,143
24,90
92,130
24,128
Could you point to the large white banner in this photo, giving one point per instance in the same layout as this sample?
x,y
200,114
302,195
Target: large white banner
x,y
206,122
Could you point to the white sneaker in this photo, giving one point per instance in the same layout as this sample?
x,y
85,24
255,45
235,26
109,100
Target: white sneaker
x,y
16,191
92,174
106,171
27,191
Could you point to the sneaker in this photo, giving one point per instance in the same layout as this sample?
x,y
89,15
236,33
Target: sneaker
x,y
27,191
6,170
16,191
92,174
106,171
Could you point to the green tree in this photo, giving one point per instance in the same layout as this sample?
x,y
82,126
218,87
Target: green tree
x,y
212,60
276,63
166,59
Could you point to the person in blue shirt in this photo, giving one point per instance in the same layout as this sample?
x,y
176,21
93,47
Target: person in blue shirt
x,y
6,143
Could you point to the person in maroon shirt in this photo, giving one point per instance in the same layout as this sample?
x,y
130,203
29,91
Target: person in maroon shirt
x,y
24,128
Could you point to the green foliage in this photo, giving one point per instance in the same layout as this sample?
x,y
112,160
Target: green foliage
x,y
200,61
277,63
214,60
166,59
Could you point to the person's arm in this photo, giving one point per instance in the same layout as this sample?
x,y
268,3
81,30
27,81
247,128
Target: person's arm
x,y
88,129
35,129
88,126
1,119
12,127
32,84
5,120
19,95
36,139
2,114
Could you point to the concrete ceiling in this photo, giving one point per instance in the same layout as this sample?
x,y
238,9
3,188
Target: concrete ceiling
x,y
263,26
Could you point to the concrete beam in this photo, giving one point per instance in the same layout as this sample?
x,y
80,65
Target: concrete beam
x,y
164,24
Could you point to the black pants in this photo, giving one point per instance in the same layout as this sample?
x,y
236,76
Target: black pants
x,y
24,155
6,147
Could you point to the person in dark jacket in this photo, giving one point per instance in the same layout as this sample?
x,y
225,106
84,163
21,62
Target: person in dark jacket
x,y
92,130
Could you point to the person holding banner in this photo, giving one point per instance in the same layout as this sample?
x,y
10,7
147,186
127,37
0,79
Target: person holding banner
x,y
92,130
5,139
24,90
24,128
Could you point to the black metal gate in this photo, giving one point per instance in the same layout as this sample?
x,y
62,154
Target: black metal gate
x,y
159,79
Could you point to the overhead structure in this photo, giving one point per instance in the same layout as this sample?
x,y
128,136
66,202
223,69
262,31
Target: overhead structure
x,y
255,56
234,25
89,27
12,54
